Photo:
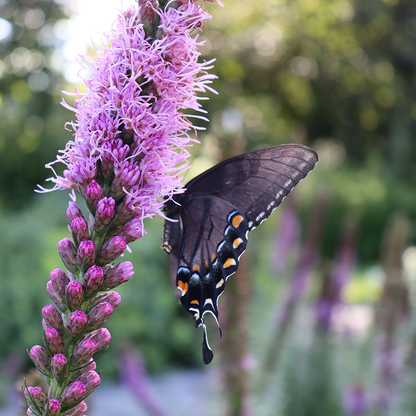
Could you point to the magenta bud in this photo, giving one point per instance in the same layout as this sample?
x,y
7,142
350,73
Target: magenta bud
x,y
35,397
86,254
132,230
29,412
73,394
94,193
54,407
40,357
79,229
99,315
73,212
102,337
54,341
74,294
113,298
116,275
57,364
68,252
111,249
104,213
77,321
59,280
91,380
54,296
51,317
93,279
79,410
84,351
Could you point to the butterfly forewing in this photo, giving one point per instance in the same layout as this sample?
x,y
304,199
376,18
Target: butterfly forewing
x,y
216,212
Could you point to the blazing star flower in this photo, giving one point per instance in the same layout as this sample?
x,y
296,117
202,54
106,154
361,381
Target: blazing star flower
x,y
126,158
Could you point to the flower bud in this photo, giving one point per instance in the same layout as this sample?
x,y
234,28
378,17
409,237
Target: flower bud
x,y
102,337
93,279
74,294
91,380
54,407
51,317
54,296
77,321
86,254
68,252
29,412
94,193
79,230
58,363
40,357
104,213
73,212
113,298
53,340
116,275
126,174
79,410
59,281
83,351
99,315
132,230
111,249
73,393
35,397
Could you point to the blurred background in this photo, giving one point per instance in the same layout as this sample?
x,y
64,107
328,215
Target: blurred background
x,y
319,320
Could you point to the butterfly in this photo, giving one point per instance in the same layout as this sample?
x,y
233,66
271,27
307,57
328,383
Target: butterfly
x,y
207,227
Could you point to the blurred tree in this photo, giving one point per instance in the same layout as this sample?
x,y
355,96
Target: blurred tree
x,y
32,120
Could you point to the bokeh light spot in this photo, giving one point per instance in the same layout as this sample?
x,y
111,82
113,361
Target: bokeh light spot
x,y
28,143
21,92
38,81
6,30
343,11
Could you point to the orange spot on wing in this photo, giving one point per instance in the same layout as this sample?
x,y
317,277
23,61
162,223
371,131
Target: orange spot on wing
x,y
229,262
213,257
183,286
237,220
220,283
237,242
196,268
194,302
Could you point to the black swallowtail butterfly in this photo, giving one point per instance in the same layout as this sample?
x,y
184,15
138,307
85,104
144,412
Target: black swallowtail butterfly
x,y
214,215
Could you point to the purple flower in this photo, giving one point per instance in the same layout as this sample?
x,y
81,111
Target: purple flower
x,y
102,337
77,321
99,315
111,249
51,317
40,357
116,275
73,394
74,294
93,279
79,410
104,213
59,281
84,351
86,254
54,407
54,340
113,298
90,379
35,397
68,251
131,230
79,230
57,364
355,400
139,100
93,193
73,212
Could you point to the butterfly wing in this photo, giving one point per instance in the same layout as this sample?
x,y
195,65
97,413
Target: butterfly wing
x,y
216,212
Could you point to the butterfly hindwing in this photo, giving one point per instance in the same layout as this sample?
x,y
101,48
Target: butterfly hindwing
x,y
214,215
